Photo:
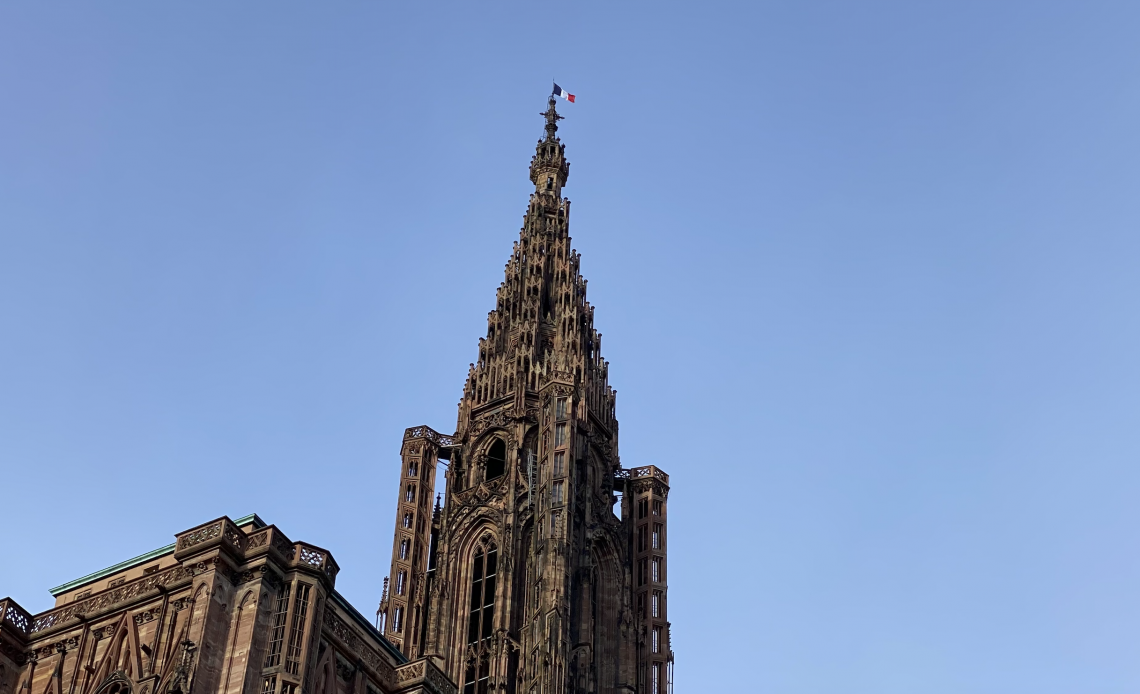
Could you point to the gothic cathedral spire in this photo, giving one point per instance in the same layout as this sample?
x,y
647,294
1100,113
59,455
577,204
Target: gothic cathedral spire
x,y
527,580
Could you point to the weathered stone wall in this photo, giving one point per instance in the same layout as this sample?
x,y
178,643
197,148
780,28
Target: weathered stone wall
x,y
201,622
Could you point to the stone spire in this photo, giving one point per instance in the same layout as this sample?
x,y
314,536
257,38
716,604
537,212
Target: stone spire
x,y
549,168
552,118
541,325
530,581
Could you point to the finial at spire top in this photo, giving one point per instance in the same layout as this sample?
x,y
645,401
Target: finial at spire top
x,y
552,118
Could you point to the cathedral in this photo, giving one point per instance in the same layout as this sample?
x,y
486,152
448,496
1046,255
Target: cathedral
x,y
540,567
527,579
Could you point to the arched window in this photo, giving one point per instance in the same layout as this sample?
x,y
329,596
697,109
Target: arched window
x,y
410,493
405,546
481,617
401,582
412,468
407,520
116,684
496,459
482,605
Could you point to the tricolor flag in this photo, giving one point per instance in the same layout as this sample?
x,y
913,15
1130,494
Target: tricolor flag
x,y
559,91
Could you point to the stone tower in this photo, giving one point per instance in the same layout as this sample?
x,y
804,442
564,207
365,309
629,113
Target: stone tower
x,y
531,577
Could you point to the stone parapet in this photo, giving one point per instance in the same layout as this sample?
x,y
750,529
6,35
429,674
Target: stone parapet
x,y
227,608
423,677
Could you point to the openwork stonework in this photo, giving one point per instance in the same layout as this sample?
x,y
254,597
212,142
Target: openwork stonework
x,y
231,606
545,567
540,568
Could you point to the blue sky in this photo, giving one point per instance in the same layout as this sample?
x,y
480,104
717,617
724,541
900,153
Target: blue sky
x,y
867,276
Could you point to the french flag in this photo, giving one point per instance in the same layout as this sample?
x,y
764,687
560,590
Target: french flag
x,y
559,91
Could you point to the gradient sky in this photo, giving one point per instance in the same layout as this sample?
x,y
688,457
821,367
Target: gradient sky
x,y
867,275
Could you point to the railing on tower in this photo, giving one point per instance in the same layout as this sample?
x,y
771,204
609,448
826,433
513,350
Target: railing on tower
x,y
426,432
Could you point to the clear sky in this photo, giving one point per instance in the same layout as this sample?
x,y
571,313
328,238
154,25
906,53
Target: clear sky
x,y
867,275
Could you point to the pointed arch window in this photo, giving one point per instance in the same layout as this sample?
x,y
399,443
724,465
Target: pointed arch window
x,y
116,684
482,607
297,635
277,633
480,617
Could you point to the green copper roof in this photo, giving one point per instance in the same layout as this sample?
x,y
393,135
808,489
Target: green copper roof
x,y
141,559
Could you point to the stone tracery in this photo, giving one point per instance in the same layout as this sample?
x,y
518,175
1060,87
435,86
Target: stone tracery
x,y
539,388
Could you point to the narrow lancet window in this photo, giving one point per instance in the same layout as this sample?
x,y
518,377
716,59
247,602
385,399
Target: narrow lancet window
x,y
480,618
277,634
297,633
